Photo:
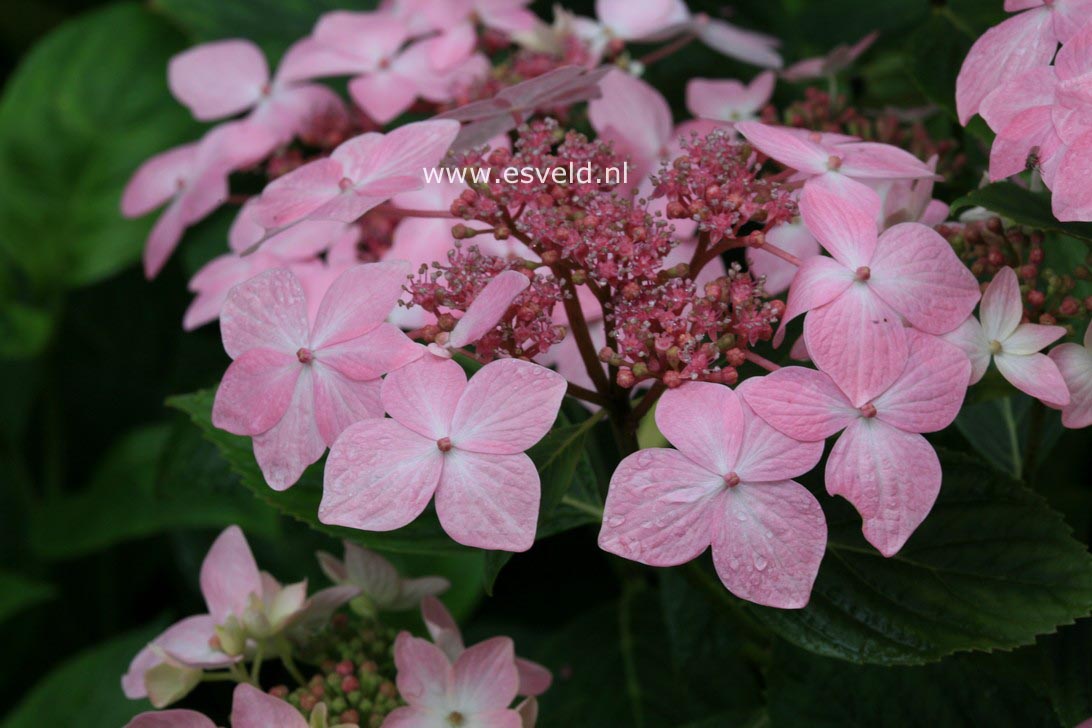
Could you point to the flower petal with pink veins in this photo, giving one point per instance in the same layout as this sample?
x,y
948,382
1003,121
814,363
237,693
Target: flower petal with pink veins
x,y
928,394
659,507
284,451
971,339
359,300
255,391
423,395
534,679
229,575
424,673
405,151
817,282
1031,133
859,341
802,403
253,708
487,309
381,350
1072,199
915,271
383,95
1019,44
891,477
218,79
1028,90
1002,306
268,311
705,422
507,407
170,719
1034,374
847,231
486,677
489,501
379,476
768,541
340,401
1031,338
786,147
768,455
1075,365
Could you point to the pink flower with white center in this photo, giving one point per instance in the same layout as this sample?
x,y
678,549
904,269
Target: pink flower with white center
x,y
1014,347
857,299
193,180
729,100
534,679
224,78
792,237
382,588
881,463
727,484
360,174
1021,43
833,63
250,708
294,386
476,689
837,163
462,441
483,314
1075,364
236,593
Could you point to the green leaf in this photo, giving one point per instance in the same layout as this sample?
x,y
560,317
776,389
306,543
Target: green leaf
x,y
84,109
1069,671
812,691
301,501
24,330
991,567
1023,207
155,479
18,592
937,49
85,690
1000,429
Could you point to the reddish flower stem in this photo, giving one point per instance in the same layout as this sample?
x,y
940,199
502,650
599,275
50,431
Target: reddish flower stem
x,y
761,361
667,50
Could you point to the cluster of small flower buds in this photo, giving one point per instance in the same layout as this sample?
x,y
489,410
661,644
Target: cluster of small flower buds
x,y
987,246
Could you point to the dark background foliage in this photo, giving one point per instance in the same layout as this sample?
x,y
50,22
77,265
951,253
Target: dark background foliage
x,y
109,497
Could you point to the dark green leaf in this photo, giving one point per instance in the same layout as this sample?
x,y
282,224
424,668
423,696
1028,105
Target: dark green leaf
x,y
84,109
1068,671
1022,206
991,567
1001,428
937,49
18,592
301,500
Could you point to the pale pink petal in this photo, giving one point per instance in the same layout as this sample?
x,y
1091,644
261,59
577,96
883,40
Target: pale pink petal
x,y
299,193
308,58
170,719
790,149
872,160
405,151
1018,44
252,708
744,45
410,717
383,95
793,238
802,403
487,309
284,451
767,455
1002,306
1034,374
859,341
659,507
229,575
817,282
970,338
1029,131
218,79
705,422
634,117
507,407
358,301
163,239
630,20
340,401
1031,338
1072,199
424,674
768,540
915,271
255,391
1070,17
928,394
855,194
844,229
379,476
371,37
729,100
1075,365
377,577
453,46
891,477
381,350
423,395
189,642
1030,89
414,590
489,501
534,679
486,677
266,312
157,180
442,627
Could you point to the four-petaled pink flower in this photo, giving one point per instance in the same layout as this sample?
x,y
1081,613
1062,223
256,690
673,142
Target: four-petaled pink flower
x,y
250,708
293,385
474,690
858,299
1075,364
881,463
360,174
728,484
1014,346
382,588
463,441
534,679
729,100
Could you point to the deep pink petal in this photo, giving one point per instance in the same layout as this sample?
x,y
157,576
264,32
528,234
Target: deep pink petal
x,y
255,391
284,451
659,508
486,677
423,395
507,407
859,341
891,477
424,674
340,401
847,231
1002,306
705,422
379,476
489,501
218,79
1075,365
928,394
359,300
253,708
229,575
802,403
268,311
488,307
767,455
1034,374
768,540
